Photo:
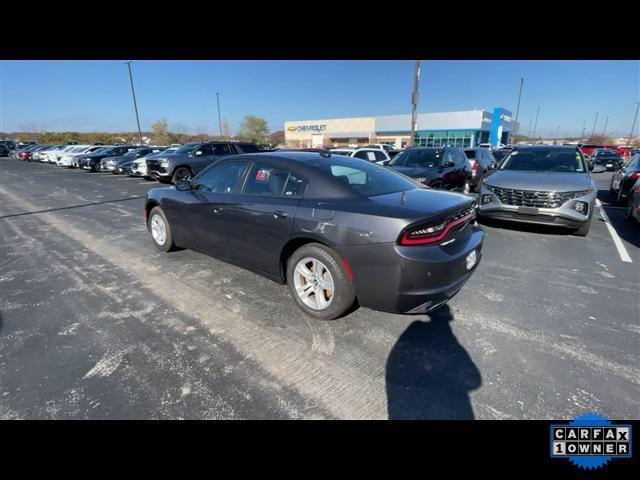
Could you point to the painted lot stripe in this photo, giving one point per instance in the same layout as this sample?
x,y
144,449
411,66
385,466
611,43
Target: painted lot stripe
x,y
622,251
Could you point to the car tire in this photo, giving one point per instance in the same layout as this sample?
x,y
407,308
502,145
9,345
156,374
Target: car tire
x,y
160,230
584,231
341,298
181,173
620,199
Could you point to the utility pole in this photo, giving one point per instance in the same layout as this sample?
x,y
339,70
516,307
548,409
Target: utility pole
x,y
135,106
414,102
634,123
594,125
535,127
219,121
515,126
604,132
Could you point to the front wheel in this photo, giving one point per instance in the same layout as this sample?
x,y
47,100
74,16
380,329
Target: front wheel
x,y
160,230
181,173
319,282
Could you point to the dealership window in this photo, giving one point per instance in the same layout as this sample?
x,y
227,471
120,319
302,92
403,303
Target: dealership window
x,y
442,138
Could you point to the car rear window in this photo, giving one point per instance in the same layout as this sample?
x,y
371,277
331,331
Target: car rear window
x,y
249,148
366,178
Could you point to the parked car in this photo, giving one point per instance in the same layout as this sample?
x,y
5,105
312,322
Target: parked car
x,y
92,161
5,151
66,159
437,167
53,155
26,152
547,185
588,148
9,144
191,158
482,165
335,229
111,164
371,154
139,166
624,179
43,155
500,154
633,205
610,159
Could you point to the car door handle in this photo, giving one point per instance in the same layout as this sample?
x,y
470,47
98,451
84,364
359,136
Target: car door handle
x,y
280,215
217,210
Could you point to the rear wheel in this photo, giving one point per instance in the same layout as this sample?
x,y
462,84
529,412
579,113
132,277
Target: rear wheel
x,y
319,282
181,173
160,230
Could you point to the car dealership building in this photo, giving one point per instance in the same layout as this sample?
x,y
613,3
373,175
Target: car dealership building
x,y
460,129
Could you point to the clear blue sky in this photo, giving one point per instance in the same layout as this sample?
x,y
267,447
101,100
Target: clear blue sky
x,y
96,96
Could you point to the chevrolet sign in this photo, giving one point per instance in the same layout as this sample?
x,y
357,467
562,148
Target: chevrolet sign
x,y
307,128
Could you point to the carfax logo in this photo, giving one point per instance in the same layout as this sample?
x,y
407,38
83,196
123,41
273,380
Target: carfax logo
x,y
590,441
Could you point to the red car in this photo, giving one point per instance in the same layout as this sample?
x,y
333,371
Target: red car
x,y
587,149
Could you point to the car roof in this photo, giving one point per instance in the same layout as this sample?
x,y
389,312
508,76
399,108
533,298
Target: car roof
x,y
545,147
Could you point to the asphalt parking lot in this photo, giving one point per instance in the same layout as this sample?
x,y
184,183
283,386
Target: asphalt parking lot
x,y
96,323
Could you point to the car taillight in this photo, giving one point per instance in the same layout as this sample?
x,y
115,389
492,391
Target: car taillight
x,y
426,234
635,176
474,166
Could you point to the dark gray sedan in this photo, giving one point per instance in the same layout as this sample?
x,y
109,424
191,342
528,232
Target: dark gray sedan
x,y
337,230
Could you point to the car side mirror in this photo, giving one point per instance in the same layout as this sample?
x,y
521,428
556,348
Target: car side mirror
x,y
198,153
386,162
183,185
449,164
598,169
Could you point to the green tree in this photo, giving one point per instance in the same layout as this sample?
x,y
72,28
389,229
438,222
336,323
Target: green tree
x,y
254,129
160,134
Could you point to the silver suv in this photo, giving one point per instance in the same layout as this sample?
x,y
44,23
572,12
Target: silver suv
x,y
548,185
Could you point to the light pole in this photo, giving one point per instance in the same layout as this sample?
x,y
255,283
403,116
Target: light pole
x,y
604,132
634,123
535,127
584,126
414,102
135,106
515,126
219,121
594,126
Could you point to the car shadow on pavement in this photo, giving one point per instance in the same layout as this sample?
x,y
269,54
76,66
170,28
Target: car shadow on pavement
x,y
429,374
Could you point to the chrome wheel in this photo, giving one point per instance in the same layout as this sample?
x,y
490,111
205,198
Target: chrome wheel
x,y
158,229
313,283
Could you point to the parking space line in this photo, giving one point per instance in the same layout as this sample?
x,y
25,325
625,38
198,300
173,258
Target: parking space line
x,y
622,251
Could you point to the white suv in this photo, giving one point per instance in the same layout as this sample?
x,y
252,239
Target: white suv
x,y
372,154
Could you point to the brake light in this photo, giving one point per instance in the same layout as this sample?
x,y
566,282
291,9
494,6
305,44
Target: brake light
x,y
427,234
635,176
474,166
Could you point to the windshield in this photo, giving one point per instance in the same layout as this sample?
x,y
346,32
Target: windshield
x,y
364,177
187,148
544,160
418,158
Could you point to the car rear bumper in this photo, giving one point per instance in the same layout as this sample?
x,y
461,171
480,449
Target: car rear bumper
x,y
412,279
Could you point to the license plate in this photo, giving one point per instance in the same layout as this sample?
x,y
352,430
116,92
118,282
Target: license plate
x,y
528,210
616,184
609,164
471,260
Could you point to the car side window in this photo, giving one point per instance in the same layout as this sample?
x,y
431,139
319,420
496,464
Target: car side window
x,y
271,181
361,154
221,149
379,156
205,149
224,178
448,157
